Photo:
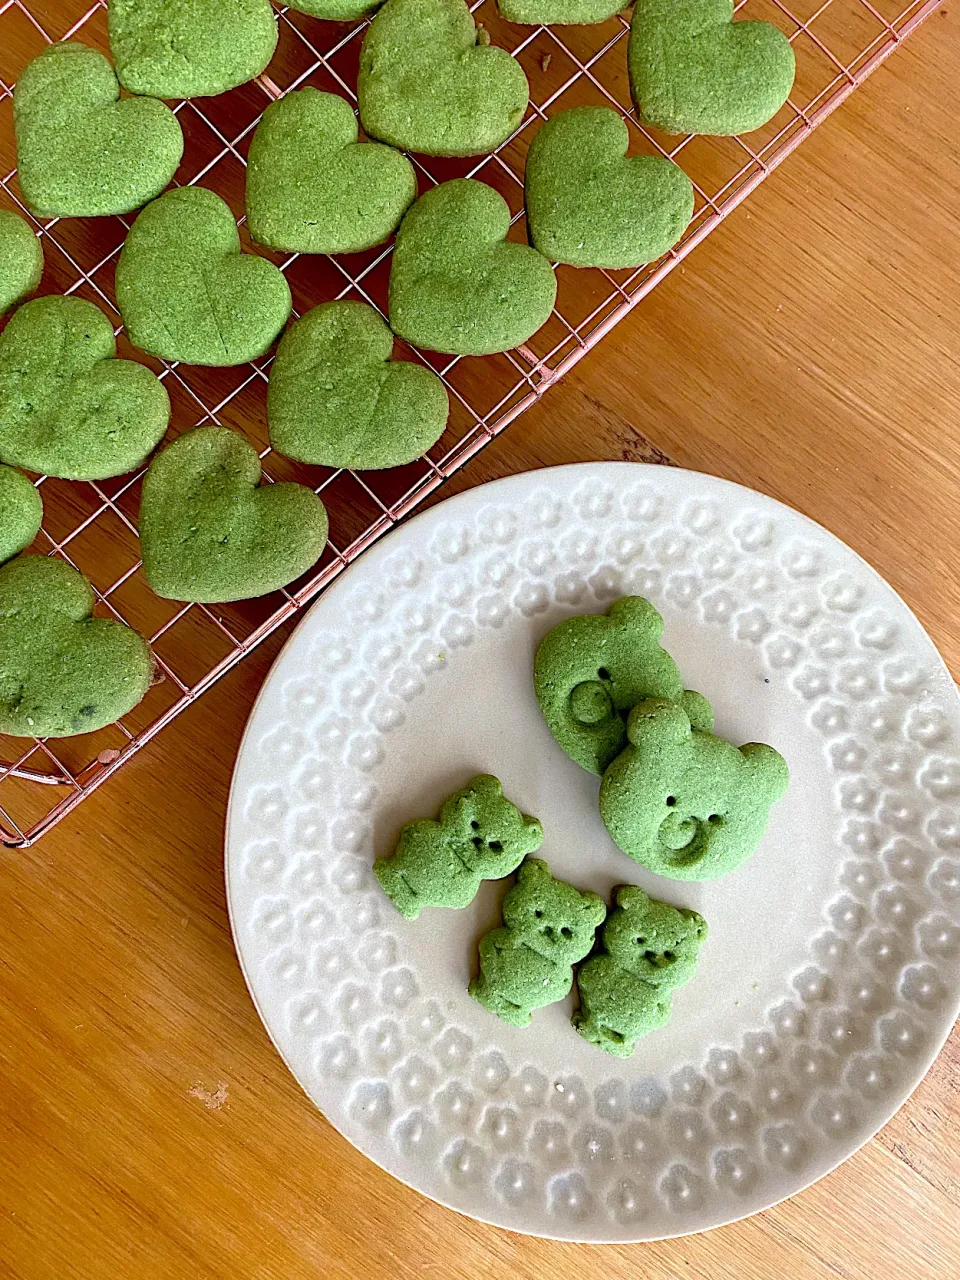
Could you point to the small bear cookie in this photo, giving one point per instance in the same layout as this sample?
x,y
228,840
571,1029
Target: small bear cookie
x,y
425,83
590,670
68,407
62,671
558,13
648,948
590,205
210,532
21,260
187,292
684,803
694,70
548,926
457,285
190,48
480,836
21,512
313,188
82,151
336,399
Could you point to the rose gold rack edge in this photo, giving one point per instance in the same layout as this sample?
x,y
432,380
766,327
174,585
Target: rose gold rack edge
x,y
39,766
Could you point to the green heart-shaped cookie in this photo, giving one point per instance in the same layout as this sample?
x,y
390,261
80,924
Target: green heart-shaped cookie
x,y
456,284
62,671
426,85
210,532
21,512
187,292
313,188
68,408
337,400
556,13
694,70
190,48
590,206
21,260
82,151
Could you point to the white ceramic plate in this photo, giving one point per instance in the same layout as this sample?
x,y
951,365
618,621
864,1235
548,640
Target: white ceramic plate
x,y
831,975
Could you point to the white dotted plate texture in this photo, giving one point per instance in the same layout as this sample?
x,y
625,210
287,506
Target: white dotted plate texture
x,y
831,974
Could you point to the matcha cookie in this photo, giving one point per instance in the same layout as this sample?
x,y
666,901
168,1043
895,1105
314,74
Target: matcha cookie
x,y
589,205
648,947
190,48
21,512
336,399
211,532
313,188
337,10
82,151
590,671
548,926
187,292
21,260
480,836
68,408
694,70
557,13
426,85
62,671
685,803
456,284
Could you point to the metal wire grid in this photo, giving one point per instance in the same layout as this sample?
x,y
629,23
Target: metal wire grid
x,y
93,526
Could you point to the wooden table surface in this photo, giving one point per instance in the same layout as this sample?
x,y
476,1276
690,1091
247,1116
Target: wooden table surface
x,y
147,1127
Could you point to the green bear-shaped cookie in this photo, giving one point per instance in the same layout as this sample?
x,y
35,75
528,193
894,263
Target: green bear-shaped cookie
x,y
21,512
557,13
82,151
21,260
190,48
548,926
684,803
68,407
313,188
589,671
456,284
336,399
426,85
648,948
187,292
590,205
62,671
480,836
694,70
211,532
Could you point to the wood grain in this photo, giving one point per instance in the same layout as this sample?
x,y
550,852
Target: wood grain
x,y
148,1128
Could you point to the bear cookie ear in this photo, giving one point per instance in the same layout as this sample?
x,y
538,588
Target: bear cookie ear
x,y
658,719
768,769
532,871
595,909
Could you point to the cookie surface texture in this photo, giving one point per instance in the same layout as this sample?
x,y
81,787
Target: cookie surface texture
x,y
589,205
694,70
68,408
480,835
426,85
21,512
82,151
313,188
62,672
190,48
211,532
21,260
686,804
336,399
589,671
456,284
187,292
337,10
556,13
548,926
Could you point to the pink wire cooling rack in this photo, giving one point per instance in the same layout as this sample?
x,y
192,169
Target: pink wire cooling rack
x,y
93,526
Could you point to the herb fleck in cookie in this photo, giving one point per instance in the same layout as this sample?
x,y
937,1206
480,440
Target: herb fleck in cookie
x,y
684,803
62,671
21,512
480,836
82,151
21,260
336,398
211,532
68,407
